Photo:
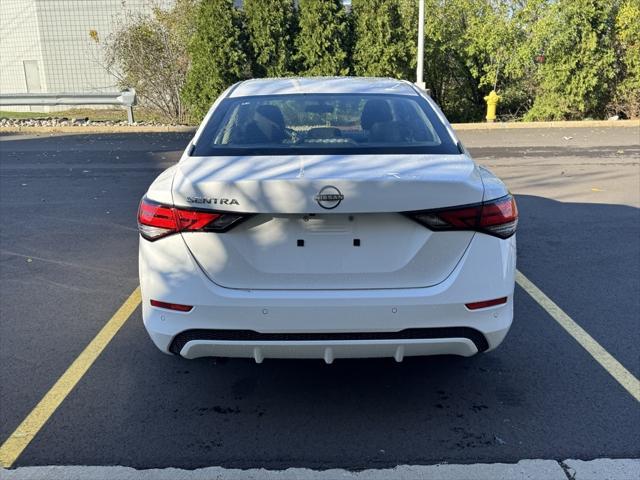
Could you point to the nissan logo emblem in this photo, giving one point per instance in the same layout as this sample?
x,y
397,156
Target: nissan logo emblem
x,y
329,197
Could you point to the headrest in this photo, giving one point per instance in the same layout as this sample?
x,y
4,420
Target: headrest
x,y
375,111
273,113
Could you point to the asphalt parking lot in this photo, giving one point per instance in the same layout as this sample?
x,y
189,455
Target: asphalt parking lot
x,y
68,260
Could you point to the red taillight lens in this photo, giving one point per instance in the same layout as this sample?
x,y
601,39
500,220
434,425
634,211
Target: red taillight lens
x,y
500,217
486,303
171,306
156,220
496,217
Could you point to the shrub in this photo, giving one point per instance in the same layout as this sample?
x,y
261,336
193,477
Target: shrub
x,y
149,53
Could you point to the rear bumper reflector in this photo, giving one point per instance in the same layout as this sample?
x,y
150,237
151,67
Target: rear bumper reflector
x,y
171,306
486,303
240,336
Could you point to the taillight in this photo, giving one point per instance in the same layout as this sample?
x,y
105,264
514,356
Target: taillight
x,y
156,220
496,217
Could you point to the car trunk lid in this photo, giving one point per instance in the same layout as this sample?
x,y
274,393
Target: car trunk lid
x,y
327,222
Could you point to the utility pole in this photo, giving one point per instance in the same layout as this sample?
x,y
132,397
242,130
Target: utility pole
x,y
420,68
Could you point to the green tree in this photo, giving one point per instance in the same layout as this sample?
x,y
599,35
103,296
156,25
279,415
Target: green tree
x,y
409,17
517,81
271,28
446,60
380,48
626,99
492,32
472,47
323,38
459,59
219,54
575,80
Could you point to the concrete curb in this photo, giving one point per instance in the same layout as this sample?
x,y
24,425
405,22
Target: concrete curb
x,y
182,128
80,129
603,469
523,470
600,469
564,124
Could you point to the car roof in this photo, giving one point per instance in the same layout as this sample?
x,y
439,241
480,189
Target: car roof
x,y
298,85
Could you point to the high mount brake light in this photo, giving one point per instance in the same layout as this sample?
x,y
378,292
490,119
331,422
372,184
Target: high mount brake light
x,y
156,220
496,217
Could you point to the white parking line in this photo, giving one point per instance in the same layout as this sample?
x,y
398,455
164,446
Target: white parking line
x,y
623,376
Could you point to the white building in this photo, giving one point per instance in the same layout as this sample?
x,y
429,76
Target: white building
x,y
54,45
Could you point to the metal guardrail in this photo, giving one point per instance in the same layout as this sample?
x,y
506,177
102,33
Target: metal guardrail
x,y
126,98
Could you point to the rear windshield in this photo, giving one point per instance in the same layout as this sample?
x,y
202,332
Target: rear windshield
x,y
324,124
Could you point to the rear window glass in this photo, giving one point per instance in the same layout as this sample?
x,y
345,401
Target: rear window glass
x,y
324,124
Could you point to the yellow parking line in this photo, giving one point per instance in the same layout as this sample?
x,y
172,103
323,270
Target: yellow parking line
x,y
30,426
623,376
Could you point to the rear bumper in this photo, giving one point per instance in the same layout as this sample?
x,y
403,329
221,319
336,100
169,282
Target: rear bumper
x,y
411,342
327,324
329,351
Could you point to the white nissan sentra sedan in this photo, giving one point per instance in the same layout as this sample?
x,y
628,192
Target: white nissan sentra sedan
x,y
326,218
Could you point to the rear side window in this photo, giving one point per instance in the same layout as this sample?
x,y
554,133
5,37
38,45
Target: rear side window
x,y
324,124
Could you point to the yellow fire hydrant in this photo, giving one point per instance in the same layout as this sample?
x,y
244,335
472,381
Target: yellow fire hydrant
x,y
492,101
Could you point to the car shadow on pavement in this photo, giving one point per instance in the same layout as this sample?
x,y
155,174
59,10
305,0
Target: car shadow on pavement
x,y
527,399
